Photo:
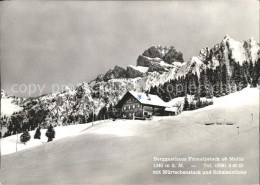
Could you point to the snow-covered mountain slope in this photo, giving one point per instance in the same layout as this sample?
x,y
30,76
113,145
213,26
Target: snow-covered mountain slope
x,y
155,66
237,50
9,104
8,107
195,65
122,152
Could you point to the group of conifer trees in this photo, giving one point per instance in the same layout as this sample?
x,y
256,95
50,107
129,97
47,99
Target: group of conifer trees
x,y
25,136
21,123
50,134
217,82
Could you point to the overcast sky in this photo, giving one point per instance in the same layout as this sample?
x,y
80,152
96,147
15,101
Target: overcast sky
x,y
54,42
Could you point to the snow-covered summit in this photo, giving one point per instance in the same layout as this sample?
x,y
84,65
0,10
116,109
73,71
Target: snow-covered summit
x,y
236,49
227,51
252,49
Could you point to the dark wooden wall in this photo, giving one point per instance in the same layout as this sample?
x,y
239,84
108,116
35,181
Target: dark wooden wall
x,y
130,106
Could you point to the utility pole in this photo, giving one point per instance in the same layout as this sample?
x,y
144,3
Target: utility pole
x,y
252,116
238,130
16,140
93,114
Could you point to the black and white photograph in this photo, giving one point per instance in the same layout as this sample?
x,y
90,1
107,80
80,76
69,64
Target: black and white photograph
x,y
130,92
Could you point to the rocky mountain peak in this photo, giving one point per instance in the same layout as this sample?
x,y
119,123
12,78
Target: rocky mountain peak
x,y
117,72
167,54
154,52
227,37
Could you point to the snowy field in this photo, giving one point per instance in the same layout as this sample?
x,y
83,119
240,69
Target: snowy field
x,y
8,144
122,152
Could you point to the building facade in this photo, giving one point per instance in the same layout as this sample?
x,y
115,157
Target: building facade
x,y
139,105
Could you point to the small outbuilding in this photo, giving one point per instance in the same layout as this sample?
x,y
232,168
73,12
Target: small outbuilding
x,y
171,111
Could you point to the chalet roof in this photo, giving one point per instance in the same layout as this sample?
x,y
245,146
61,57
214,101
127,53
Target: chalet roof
x,y
151,99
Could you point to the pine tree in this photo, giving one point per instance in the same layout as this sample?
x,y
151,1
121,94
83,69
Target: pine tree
x,y
181,86
165,93
37,134
7,133
25,136
110,111
186,103
257,69
102,113
199,104
50,133
203,83
244,76
80,120
254,78
153,90
193,83
159,91
246,68
192,105
184,87
90,117
225,80
197,95
237,75
16,122
218,82
256,73
209,83
171,89
233,87
251,69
